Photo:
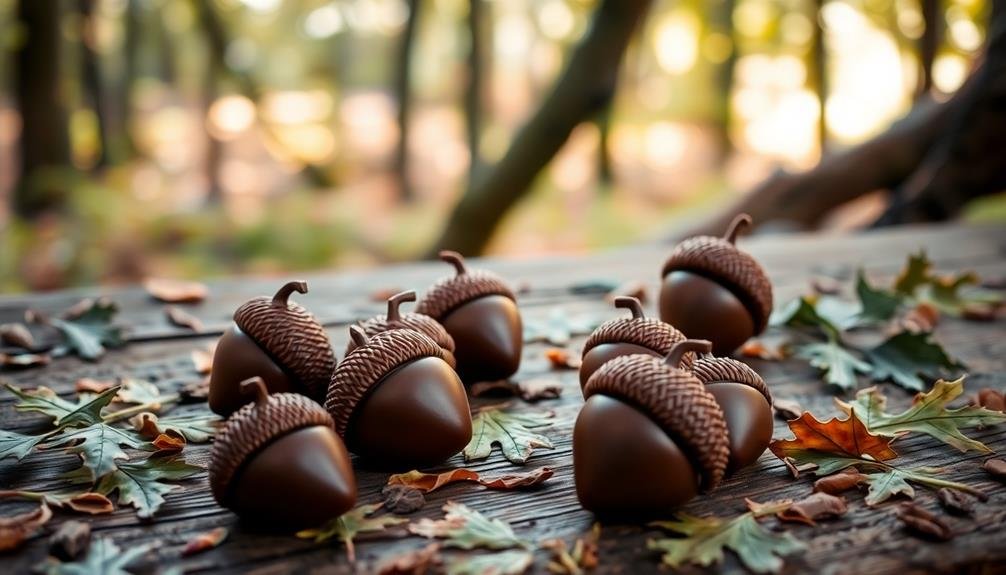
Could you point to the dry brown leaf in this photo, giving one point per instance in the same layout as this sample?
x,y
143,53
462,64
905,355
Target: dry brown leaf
x,y
205,541
24,360
88,502
786,409
840,482
14,530
539,388
819,505
759,349
402,500
920,319
417,562
956,502
91,385
181,318
16,334
146,424
991,399
195,390
169,442
997,467
427,482
924,522
842,436
175,291
560,358
70,541
518,480
202,359
582,557
632,288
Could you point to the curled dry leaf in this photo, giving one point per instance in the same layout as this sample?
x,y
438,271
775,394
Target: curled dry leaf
x,y
169,442
417,562
23,360
920,319
202,359
14,530
16,334
90,385
539,388
205,541
819,505
956,502
70,540
840,482
582,557
181,318
518,480
991,399
427,482
631,288
89,502
924,522
997,467
402,500
786,409
761,349
176,291
560,358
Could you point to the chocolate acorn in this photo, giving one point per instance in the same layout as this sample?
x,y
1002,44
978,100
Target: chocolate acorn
x,y
649,437
712,290
480,312
397,403
746,403
626,336
394,319
278,463
274,339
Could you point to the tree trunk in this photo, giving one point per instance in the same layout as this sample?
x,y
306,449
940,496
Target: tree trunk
x,y
721,17
91,78
404,96
819,74
929,43
585,87
473,95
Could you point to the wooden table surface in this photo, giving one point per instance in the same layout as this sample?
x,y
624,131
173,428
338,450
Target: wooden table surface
x,y
864,540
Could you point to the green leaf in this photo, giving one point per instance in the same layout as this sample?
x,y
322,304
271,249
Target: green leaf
x,y
802,312
886,484
196,428
98,445
466,528
903,357
513,562
103,557
916,273
17,445
141,484
351,523
89,329
511,431
948,293
928,414
877,305
706,538
137,391
44,400
838,364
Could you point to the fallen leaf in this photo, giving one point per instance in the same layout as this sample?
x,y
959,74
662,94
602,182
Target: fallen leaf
x,y
991,399
89,385
349,525
141,484
518,480
170,442
786,409
582,557
511,431
17,335
819,505
512,562
175,291
838,364
17,445
24,360
194,428
847,479
632,288
466,528
955,502
181,318
205,541
139,392
532,390
88,329
904,357
996,467
920,319
923,522
16,529
417,562
70,540
87,502
427,482
402,500
877,305
560,358
956,295
103,557
98,444
846,437
45,401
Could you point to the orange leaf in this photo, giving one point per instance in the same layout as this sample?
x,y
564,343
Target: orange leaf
x,y
427,482
170,442
175,291
90,502
847,437
90,385
518,480
181,318
14,530
561,359
205,541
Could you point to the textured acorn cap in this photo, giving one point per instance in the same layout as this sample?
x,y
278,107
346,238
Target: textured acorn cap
x,y
367,365
673,398
648,332
719,259
255,426
394,319
450,293
711,369
291,336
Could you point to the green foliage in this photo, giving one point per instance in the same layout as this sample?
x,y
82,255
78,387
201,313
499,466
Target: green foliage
x,y
141,483
350,524
98,446
103,557
44,400
17,445
465,528
512,562
511,431
90,331
904,356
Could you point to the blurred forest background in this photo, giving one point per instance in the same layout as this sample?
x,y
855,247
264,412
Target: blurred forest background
x,y
196,138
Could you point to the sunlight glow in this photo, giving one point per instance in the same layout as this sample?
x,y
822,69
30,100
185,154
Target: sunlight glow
x,y
556,20
323,22
230,115
949,72
676,42
297,107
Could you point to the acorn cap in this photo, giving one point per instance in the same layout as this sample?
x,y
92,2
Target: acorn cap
x,y
256,425
366,365
675,399
291,335
711,369
394,319
719,259
451,292
648,332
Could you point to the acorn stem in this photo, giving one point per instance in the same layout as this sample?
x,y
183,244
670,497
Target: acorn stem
x,y
396,300
740,222
284,292
255,385
679,350
630,303
455,259
359,336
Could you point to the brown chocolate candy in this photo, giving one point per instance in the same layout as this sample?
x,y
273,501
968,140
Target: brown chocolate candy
x,y
627,336
649,437
746,403
712,290
396,401
279,464
394,319
480,312
274,339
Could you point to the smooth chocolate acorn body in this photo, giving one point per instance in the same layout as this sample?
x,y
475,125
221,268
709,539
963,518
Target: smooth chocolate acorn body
x,y
422,323
746,403
649,437
626,336
274,339
480,312
279,464
397,403
712,290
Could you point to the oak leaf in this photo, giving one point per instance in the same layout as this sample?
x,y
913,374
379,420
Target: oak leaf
x,y
43,400
141,484
512,562
17,445
351,523
416,562
87,328
103,556
518,480
844,437
427,482
195,428
466,528
511,431
175,291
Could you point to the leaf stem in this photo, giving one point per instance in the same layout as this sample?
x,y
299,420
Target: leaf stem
x,y
140,408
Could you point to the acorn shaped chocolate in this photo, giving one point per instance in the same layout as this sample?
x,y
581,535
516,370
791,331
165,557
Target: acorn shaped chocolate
x,y
746,403
278,463
397,403
629,335
650,436
480,312
712,290
394,319
274,339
